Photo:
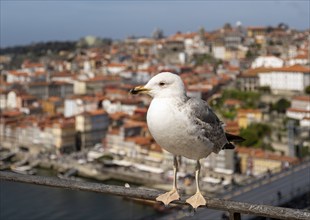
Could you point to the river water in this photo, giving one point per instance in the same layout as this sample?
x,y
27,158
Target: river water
x,y
20,201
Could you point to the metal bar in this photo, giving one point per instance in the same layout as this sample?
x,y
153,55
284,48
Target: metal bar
x,y
234,216
147,194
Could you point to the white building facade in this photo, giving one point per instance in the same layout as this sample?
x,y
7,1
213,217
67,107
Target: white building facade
x,y
267,62
285,79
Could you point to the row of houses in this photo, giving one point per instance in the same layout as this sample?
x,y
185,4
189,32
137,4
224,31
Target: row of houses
x,y
81,99
54,133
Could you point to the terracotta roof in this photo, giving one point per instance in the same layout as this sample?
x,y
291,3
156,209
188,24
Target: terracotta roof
x,y
232,102
256,71
27,97
295,68
261,154
12,113
302,98
139,140
131,123
141,110
28,64
232,127
118,115
54,98
18,73
298,110
302,56
182,36
62,74
97,112
117,65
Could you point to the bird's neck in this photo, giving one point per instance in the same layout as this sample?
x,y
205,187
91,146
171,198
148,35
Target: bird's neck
x,y
175,96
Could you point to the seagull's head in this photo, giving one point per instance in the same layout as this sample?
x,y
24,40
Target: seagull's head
x,y
162,85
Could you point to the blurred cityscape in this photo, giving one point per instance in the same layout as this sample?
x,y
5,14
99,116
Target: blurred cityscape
x,y
66,105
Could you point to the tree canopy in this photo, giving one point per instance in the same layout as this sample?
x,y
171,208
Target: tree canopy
x,y
255,134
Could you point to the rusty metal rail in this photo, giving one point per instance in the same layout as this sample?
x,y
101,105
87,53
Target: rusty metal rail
x,y
234,208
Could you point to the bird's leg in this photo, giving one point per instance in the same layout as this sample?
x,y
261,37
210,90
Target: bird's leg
x,y
197,199
172,195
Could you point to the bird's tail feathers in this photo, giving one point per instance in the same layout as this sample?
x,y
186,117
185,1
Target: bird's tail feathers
x,y
234,138
228,146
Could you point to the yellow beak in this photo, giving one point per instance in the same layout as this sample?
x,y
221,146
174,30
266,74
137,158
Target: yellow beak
x,y
139,89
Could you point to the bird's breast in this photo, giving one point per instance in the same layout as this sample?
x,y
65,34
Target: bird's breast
x,y
169,127
161,117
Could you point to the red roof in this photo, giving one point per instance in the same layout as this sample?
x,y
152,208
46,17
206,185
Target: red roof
x,y
297,110
261,154
302,98
295,68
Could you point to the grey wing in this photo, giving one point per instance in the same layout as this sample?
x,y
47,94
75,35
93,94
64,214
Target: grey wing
x,y
208,124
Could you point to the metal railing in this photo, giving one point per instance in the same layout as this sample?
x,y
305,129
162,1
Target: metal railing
x,y
234,208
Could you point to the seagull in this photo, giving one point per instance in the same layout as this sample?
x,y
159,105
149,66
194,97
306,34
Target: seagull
x,y
183,126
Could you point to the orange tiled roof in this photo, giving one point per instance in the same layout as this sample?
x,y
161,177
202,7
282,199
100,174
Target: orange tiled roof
x,y
230,102
261,154
131,123
298,110
256,71
117,65
118,115
302,98
17,73
302,56
97,112
139,140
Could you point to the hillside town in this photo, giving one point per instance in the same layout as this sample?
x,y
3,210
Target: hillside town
x,y
72,108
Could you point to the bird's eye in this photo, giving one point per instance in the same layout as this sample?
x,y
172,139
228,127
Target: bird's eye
x,y
161,83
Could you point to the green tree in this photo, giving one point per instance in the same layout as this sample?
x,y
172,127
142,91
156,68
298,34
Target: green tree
x,y
281,105
255,134
250,136
250,99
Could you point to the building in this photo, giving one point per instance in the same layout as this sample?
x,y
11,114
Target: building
x,y
125,105
258,33
114,69
15,76
294,78
246,117
300,59
78,104
248,80
300,108
267,62
91,128
94,85
53,105
64,136
258,162
223,162
43,90
3,99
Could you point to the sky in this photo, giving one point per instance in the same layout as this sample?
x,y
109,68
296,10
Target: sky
x,y
25,21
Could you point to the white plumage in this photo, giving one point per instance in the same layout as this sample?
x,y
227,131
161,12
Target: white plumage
x,y
183,126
